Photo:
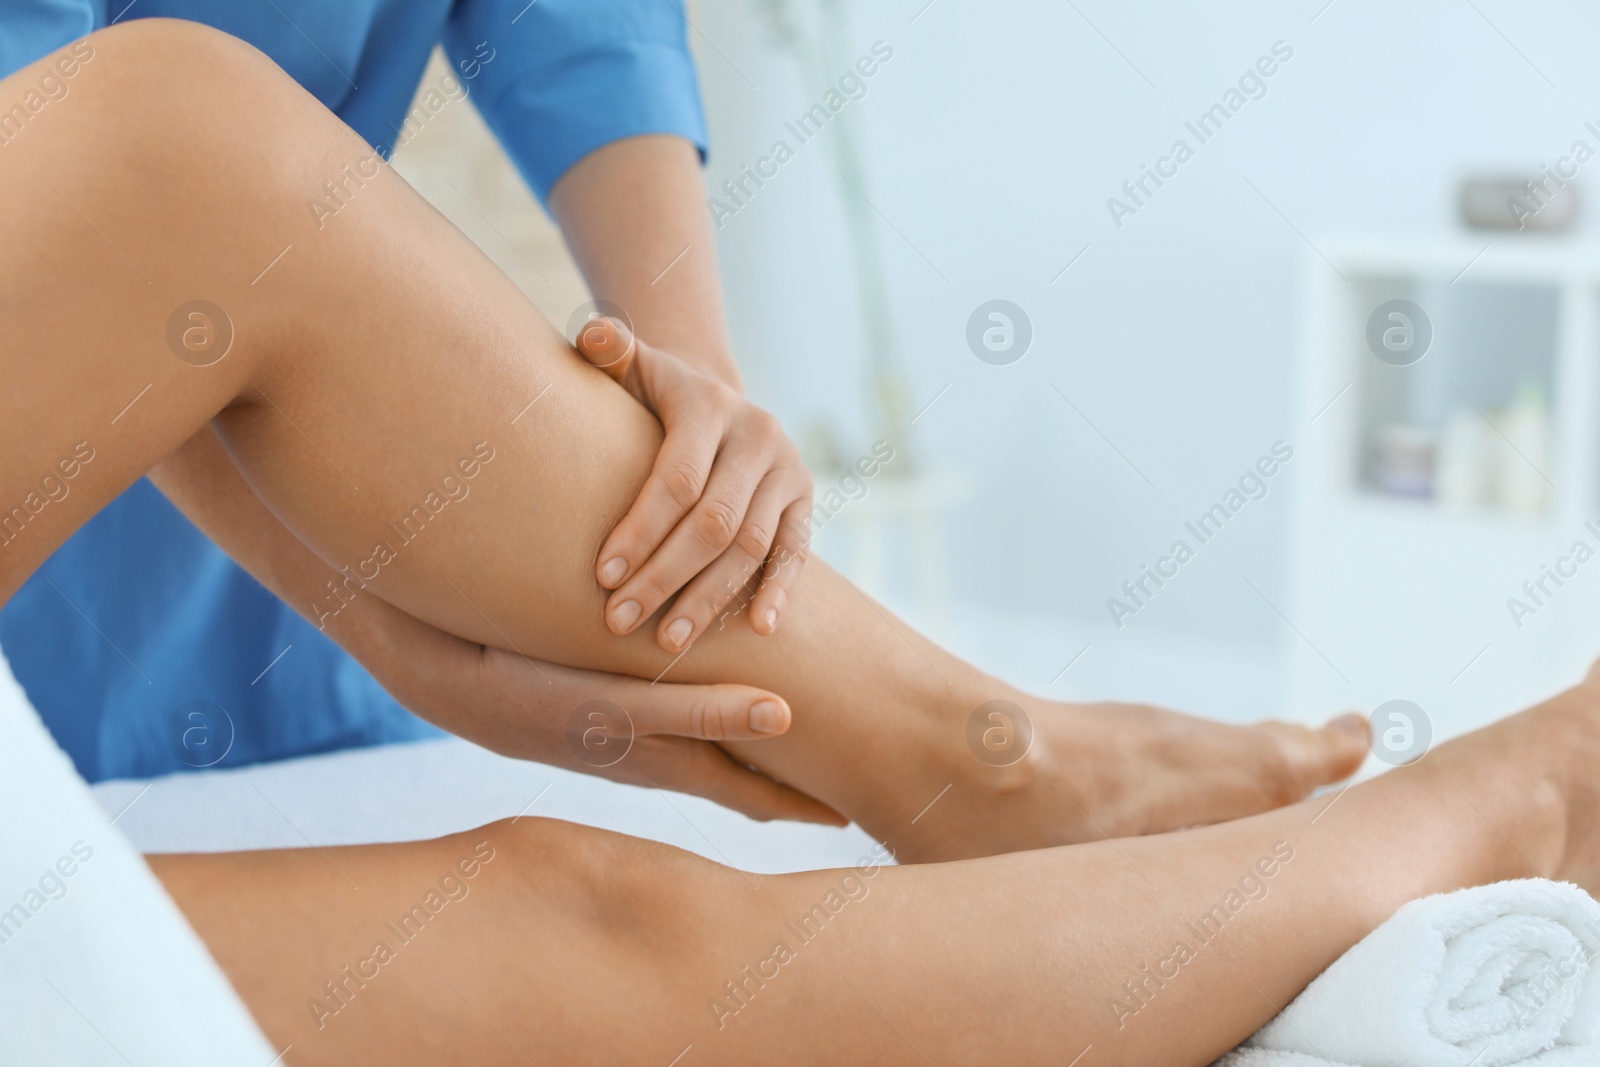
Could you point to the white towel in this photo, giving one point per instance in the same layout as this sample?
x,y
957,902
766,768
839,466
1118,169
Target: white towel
x,y
1501,974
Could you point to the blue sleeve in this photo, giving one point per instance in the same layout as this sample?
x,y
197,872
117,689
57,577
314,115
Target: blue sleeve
x,y
35,28
557,79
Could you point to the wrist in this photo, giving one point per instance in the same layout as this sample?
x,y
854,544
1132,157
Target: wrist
x,y
705,349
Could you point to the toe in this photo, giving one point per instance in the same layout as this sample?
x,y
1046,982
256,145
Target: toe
x,y
1311,757
1341,748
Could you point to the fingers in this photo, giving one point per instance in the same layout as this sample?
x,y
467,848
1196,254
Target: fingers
x,y
707,712
696,412
702,536
789,554
676,483
609,345
671,735
727,494
705,601
713,774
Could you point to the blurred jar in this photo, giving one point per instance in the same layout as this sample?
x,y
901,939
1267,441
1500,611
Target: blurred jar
x,y
1403,461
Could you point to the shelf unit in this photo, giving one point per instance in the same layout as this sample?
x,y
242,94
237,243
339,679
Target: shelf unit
x,y
1407,598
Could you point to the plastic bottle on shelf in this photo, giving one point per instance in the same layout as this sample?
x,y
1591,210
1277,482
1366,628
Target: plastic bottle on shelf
x,y
1524,468
1464,471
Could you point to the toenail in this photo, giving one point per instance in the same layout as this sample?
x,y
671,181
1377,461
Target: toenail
x,y
1352,724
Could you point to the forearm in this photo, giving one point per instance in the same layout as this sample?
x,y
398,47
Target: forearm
x,y
634,215
200,479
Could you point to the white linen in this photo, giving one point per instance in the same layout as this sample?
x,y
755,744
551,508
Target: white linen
x,y
1486,977
97,965
430,788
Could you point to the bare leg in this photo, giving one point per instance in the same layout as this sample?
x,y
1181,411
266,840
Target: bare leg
x,y
367,363
376,357
578,946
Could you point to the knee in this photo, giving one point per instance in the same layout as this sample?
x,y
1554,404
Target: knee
x,y
156,71
161,62
606,871
155,105
604,888
149,46
191,150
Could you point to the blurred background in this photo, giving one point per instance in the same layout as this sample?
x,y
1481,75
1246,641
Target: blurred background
x,y
1164,334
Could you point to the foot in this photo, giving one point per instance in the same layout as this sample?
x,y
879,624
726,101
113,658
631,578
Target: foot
x,y
1092,771
1547,757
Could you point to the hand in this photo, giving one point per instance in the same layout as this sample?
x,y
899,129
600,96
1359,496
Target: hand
x,y
527,709
727,502
513,705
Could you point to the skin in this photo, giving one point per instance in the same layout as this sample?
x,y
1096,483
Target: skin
x,y
501,699
728,488
627,210
575,923
334,375
624,204
503,654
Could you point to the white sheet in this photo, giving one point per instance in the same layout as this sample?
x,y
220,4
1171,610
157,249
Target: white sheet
x,y
97,965
405,792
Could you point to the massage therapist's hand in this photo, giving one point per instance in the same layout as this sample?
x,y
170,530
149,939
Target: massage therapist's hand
x,y
616,727
515,706
727,501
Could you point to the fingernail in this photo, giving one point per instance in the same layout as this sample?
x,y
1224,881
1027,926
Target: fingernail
x,y
770,619
612,572
1352,724
626,614
678,632
766,717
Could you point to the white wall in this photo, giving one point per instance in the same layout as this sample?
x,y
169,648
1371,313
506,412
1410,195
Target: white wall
x,y
996,135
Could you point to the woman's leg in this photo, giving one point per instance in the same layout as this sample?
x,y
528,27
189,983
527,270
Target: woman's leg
x,y
577,946
404,410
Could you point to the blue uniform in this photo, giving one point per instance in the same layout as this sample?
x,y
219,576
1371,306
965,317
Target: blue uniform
x,y
139,620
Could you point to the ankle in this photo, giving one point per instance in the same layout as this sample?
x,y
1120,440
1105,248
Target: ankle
x,y
1517,804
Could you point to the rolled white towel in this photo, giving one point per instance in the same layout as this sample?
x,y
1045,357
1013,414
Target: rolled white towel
x,y
1485,977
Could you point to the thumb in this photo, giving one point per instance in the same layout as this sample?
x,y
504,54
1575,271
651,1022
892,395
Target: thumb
x,y
608,344
708,712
